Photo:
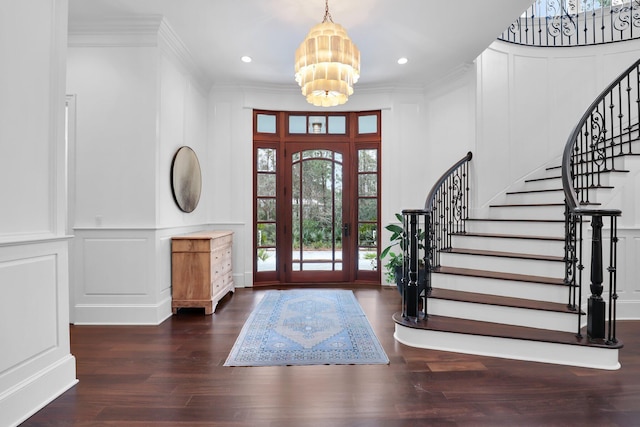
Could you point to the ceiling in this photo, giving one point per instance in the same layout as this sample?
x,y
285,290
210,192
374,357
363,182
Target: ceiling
x,y
436,36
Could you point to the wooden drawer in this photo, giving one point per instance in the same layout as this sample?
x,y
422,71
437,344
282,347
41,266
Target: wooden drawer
x,y
195,245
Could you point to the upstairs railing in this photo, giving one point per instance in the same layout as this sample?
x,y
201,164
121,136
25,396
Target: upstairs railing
x,y
604,134
428,232
575,23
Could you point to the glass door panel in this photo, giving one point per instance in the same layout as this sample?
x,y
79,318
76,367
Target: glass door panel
x,y
266,212
317,215
367,210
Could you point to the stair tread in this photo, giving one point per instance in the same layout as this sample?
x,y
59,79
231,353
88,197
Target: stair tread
x,y
515,220
546,190
547,178
527,205
510,236
498,300
483,252
559,190
489,329
499,275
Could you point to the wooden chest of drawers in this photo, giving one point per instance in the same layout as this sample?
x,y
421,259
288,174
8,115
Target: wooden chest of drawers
x,y
201,269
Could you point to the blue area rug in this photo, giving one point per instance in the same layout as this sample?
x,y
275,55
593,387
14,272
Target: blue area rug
x,y
307,327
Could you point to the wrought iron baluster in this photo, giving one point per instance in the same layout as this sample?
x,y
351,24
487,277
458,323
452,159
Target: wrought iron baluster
x,y
590,151
574,26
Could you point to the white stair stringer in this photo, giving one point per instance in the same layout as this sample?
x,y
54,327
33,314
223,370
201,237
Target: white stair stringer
x,y
509,348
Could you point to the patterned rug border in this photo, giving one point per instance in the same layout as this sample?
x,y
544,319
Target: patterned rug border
x,y
260,343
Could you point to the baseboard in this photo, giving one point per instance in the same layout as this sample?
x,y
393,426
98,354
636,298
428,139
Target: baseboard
x,y
125,314
628,310
28,397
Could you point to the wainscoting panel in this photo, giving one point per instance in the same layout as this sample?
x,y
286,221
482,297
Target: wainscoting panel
x,y
115,266
28,307
629,272
123,276
35,360
116,278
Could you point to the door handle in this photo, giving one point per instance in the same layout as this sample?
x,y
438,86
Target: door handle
x,y
346,229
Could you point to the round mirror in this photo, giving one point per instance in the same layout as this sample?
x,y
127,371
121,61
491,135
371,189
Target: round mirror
x,y
186,179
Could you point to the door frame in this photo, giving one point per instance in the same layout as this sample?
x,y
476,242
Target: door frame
x,y
276,136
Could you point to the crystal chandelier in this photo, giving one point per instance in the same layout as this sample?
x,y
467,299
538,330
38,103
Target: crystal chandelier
x,y
327,63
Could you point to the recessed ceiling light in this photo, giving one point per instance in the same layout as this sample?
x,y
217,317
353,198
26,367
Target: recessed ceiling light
x,y
402,60
246,59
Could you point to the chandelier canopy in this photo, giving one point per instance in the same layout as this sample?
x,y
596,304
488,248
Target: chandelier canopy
x,y
327,64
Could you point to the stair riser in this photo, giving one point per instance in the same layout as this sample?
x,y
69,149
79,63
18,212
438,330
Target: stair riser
x,y
503,264
526,212
541,197
507,288
523,228
596,195
631,163
508,348
544,184
606,179
554,321
525,246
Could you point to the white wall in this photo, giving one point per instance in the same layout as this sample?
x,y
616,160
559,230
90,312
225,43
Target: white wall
x,y
528,101
138,99
35,361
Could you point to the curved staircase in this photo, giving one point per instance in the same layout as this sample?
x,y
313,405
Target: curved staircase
x,y
500,290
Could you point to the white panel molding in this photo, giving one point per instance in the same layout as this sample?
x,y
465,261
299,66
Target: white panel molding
x,y
100,256
149,265
35,361
58,153
34,279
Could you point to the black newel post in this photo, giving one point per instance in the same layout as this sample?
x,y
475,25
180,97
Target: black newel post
x,y
596,305
412,252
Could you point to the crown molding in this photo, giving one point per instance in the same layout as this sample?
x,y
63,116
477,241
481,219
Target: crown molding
x,y
456,74
173,46
138,31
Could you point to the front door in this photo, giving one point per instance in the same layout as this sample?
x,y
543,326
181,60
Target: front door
x,y
318,237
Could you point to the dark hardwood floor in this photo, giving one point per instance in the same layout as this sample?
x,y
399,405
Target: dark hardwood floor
x,y
172,375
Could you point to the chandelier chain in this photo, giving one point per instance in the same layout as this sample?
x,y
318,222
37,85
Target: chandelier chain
x,y
327,14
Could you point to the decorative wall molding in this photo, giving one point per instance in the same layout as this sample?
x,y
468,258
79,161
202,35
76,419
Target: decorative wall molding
x,y
138,31
35,367
142,295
